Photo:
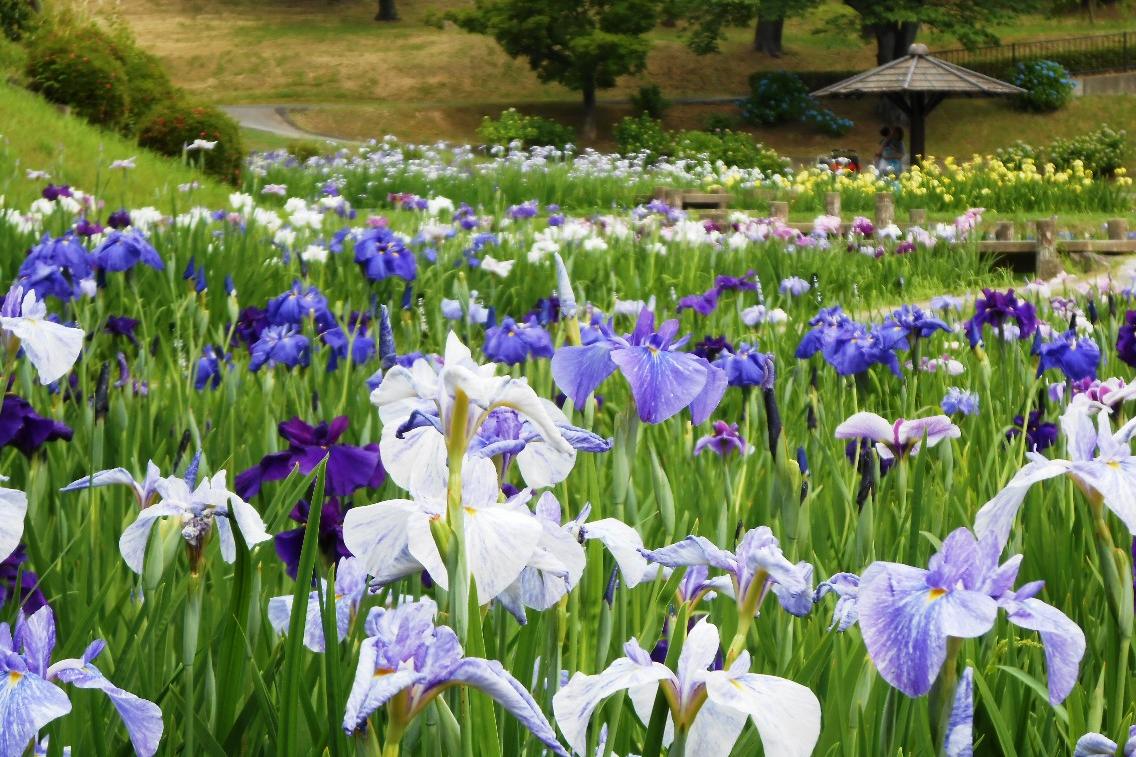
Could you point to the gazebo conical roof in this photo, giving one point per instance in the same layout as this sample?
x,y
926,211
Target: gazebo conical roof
x,y
917,83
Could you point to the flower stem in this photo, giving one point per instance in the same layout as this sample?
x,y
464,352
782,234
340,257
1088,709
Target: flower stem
x,y
943,692
455,516
190,631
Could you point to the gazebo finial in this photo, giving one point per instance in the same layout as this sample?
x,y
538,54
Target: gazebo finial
x,y
918,48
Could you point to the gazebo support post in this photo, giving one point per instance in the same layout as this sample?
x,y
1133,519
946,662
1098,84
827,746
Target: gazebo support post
x,y
918,118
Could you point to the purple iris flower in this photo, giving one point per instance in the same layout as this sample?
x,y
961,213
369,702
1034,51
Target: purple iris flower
x,y
724,441
53,192
908,614
910,320
120,325
406,656
546,311
16,581
825,325
208,373
349,468
351,343
289,543
846,587
959,401
854,348
297,305
794,286
525,210
707,302
1078,358
663,380
54,267
1099,745
119,219
997,309
863,226
122,250
85,227
23,428
711,346
746,366
900,438
757,566
1040,434
381,254
512,343
33,697
280,345
959,739
1126,339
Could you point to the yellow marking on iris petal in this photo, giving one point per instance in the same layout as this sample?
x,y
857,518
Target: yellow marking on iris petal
x,y
14,677
470,510
936,594
1114,464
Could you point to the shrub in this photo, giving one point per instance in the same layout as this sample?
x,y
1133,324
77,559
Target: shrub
x,y
147,84
16,17
643,134
781,97
733,148
720,121
88,78
303,149
1102,151
649,101
173,125
1047,86
1014,156
531,131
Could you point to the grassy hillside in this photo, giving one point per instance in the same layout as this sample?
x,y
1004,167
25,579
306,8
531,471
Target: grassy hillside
x,y
35,135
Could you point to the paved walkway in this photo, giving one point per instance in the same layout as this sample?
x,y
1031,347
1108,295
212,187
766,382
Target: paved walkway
x,y
274,119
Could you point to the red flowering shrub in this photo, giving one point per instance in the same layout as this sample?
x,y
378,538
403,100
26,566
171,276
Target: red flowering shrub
x,y
171,126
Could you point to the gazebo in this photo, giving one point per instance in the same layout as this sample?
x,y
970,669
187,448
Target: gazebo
x,y
916,84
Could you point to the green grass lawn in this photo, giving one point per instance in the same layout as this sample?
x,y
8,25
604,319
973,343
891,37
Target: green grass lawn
x,y
35,135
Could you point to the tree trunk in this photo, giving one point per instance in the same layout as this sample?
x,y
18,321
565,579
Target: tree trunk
x,y
767,36
388,11
893,39
589,130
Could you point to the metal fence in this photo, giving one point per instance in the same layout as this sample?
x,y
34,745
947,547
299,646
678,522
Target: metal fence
x,y
1080,55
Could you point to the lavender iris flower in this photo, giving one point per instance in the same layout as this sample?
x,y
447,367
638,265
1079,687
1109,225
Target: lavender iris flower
x,y
711,705
899,438
1098,745
854,348
907,614
54,268
756,567
794,286
911,321
13,508
959,740
959,400
350,588
208,372
1077,358
349,468
1101,463
145,491
406,661
33,697
513,343
663,380
846,587
280,345
825,325
122,250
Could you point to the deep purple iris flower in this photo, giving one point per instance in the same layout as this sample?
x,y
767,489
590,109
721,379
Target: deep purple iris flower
x,y
250,324
16,580
911,321
352,342
23,428
746,366
280,345
663,379
997,309
707,302
711,346
122,250
297,305
381,254
546,311
908,614
121,325
289,543
513,343
53,192
349,468
85,227
1040,434
1077,358
1126,339
54,267
119,219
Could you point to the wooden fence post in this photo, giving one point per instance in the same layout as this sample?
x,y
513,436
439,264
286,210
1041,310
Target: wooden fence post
x,y
917,217
885,209
1048,264
779,210
1118,228
832,203
1004,231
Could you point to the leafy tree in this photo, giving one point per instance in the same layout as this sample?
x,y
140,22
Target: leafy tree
x,y
709,19
584,45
